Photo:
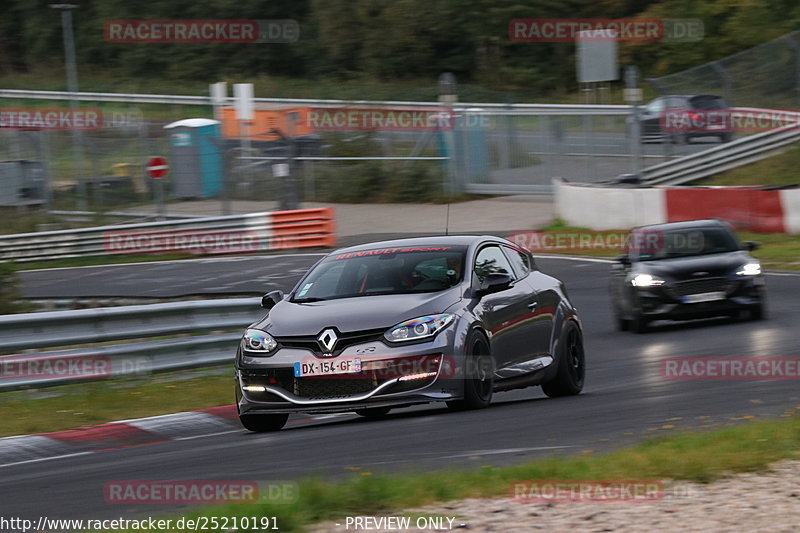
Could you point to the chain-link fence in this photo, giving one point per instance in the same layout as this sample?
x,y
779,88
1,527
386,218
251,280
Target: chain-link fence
x,y
295,154
767,75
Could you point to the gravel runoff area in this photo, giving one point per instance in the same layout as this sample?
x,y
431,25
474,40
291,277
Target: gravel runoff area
x,y
749,502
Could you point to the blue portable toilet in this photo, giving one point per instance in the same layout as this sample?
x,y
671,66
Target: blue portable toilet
x,y
196,162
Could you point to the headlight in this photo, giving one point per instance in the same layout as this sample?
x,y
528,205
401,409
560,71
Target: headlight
x,y
259,342
418,328
749,269
646,280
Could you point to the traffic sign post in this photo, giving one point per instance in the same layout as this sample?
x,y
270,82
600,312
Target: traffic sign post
x,y
157,169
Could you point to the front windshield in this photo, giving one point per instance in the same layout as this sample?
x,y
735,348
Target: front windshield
x,y
650,245
383,271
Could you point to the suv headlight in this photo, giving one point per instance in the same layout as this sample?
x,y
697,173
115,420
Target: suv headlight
x,y
646,280
258,342
749,269
418,328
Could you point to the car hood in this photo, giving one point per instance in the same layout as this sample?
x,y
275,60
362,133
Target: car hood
x,y
354,314
681,268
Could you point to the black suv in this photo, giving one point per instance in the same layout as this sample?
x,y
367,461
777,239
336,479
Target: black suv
x,y
685,270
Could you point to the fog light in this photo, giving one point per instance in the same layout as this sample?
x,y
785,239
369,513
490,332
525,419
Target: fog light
x,y
254,388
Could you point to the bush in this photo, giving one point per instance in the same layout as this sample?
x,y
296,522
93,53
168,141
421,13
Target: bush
x,y
375,181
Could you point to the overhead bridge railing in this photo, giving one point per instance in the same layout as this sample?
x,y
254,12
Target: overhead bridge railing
x,y
721,158
136,340
250,233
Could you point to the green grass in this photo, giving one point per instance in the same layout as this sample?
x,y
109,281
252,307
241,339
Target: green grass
x,y
700,457
43,410
777,170
778,251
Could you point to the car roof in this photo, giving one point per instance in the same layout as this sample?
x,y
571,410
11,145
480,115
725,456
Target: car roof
x,y
442,240
685,224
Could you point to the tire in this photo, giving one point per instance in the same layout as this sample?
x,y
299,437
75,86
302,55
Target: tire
x,y
479,375
263,423
374,412
638,324
621,323
571,364
758,312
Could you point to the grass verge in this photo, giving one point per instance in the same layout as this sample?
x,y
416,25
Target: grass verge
x,y
778,251
777,170
53,409
700,457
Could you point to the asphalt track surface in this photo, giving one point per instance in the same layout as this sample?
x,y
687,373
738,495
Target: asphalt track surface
x,y
625,400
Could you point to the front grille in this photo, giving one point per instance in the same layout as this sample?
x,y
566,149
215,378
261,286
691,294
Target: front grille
x,y
315,387
700,286
328,387
345,340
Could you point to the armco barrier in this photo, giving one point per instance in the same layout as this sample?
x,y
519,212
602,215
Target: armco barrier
x,y
746,208
253,232
193,329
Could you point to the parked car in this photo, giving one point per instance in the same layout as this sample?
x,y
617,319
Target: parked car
x,y
391,324
685,270
703,115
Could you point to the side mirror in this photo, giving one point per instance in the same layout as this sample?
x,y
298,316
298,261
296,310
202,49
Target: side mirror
x,y
271,299
624,260
492,283
750,245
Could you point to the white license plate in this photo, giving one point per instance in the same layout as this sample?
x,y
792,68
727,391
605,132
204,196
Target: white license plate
x,y
326,367
704,297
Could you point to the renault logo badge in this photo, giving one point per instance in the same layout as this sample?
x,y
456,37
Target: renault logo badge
x,y
327,340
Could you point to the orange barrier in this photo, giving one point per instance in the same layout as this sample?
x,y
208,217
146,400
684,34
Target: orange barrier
x,y
303,228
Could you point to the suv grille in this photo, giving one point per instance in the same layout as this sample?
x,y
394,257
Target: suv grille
x,y
700,286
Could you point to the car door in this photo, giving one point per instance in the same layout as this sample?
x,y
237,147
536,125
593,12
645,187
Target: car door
x,y
504,313
542,304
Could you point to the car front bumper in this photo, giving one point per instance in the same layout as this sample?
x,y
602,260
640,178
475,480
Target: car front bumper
x,y
663,302
390,376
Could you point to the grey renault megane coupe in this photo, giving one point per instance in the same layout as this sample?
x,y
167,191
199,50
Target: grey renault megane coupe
x,y
397,323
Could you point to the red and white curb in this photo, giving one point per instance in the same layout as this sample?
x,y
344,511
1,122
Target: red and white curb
x,y
121,434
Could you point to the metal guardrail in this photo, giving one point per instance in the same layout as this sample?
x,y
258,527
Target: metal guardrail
x,y
496,108
182,321
92,241
720,158
252,232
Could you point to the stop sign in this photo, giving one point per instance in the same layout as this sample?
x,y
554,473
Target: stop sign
x,y
157,167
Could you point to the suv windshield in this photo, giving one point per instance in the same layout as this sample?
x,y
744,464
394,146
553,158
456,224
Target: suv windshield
x,y
649,244
383,271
